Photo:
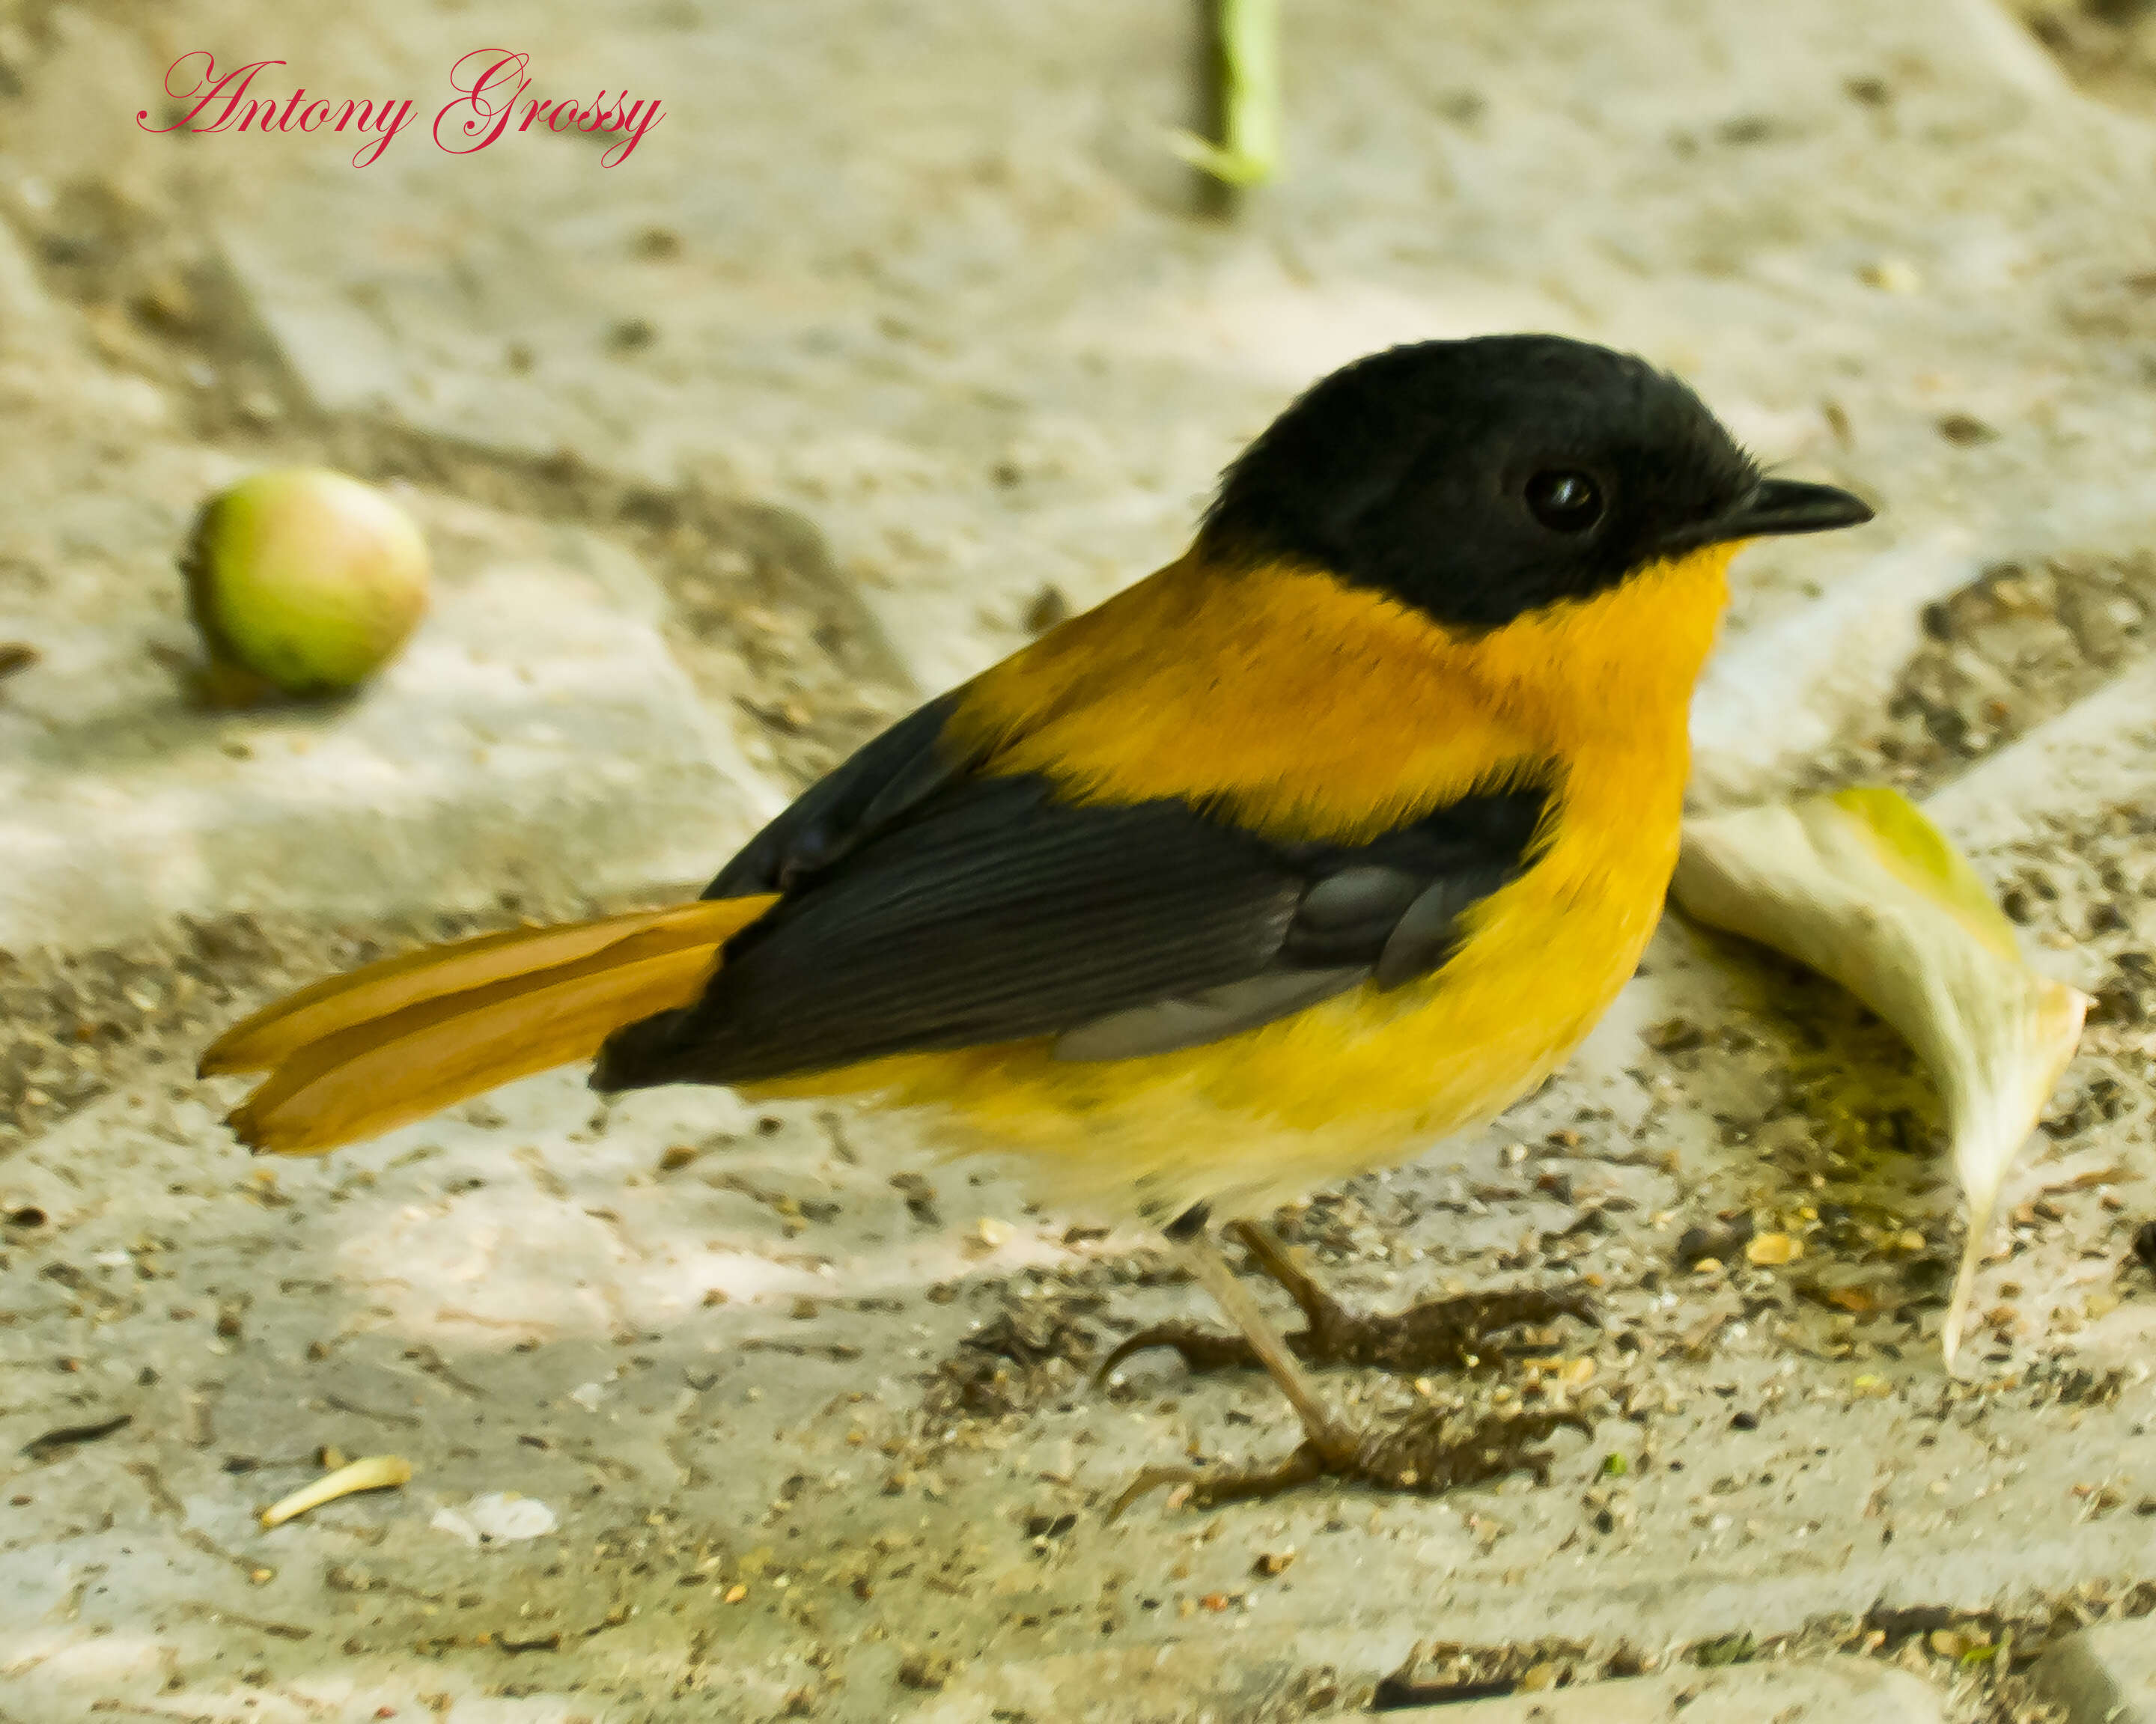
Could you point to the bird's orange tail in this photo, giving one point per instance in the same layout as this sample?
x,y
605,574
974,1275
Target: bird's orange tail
x,y
361,1054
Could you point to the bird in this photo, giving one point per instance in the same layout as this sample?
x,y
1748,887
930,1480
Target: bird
x,y
1330,839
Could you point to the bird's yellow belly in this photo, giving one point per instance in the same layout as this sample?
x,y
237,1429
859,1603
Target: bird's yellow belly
x,y
1363,1081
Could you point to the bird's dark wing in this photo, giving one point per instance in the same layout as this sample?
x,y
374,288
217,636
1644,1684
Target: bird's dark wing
x,y
873,787
993,913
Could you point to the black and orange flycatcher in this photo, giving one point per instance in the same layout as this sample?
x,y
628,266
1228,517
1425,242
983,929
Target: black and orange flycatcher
x,y
1333,836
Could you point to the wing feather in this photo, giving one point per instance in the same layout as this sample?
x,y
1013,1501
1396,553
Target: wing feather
x,y
990,911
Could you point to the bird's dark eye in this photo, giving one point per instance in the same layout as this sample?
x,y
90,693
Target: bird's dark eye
x,y
1564,501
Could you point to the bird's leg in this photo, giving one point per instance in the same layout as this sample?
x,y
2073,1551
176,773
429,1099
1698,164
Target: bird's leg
x,y
1333,1441
1328,1446
1441,1335
1430,1451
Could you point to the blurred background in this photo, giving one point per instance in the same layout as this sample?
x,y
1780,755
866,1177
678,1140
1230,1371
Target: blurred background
x,y
904,334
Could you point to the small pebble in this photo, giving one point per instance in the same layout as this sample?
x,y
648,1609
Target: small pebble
x,y
1049,609
1965,430
2144,1243
1892,275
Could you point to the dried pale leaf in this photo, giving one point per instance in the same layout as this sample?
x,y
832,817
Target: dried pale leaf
x,y
1861,887
376,1472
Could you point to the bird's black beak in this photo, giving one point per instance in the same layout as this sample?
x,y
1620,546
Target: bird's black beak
x,y
1776,507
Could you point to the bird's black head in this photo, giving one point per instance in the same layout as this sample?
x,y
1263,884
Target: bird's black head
x,y
1480,479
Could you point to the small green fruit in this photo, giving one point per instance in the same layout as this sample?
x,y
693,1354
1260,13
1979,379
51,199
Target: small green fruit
x,y
309,579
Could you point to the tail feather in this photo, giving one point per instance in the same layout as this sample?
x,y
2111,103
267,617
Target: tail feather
x,y
360,1055
278,1031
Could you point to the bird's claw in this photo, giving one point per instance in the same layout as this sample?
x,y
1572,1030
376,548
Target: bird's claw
x,y
1428,1453
1202,1350
1440,1335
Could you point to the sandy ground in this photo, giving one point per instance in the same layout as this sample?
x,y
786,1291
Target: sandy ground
x,y
906,326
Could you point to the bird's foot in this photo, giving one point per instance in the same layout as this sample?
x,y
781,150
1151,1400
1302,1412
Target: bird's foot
x,y
1440,1335
1430,1452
